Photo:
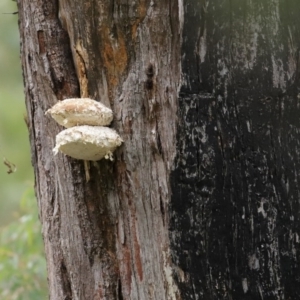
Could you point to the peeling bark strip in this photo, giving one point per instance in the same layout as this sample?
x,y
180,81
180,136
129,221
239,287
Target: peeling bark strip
x,y
105,239
235,188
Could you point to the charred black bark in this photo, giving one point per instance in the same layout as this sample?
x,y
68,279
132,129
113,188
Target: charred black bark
x,y
235,207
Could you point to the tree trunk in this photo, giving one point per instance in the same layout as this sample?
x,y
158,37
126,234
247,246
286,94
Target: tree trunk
x,y
202,199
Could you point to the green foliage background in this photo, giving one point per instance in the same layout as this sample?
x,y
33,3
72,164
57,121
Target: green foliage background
x,y
22,263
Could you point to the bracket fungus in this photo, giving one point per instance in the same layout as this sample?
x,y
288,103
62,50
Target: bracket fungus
x,y
85,137
80,111
88,142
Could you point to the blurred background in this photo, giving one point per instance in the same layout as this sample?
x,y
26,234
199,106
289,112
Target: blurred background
x,y
22,263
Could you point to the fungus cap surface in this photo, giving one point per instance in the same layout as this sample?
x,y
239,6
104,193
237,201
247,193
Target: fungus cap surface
x,y
80,111
88,142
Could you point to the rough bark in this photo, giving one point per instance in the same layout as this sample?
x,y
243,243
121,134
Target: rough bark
x,y
202,199
108,238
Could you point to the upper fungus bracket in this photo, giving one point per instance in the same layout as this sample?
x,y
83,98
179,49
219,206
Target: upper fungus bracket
x,y
80,111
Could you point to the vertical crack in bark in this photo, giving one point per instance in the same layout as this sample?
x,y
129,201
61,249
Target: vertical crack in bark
x,y
66,283
119,295
81,71
162,209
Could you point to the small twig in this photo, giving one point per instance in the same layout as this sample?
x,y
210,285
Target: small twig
x,y
11,167
87,170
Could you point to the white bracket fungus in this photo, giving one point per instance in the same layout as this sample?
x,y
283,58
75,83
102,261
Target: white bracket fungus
x,y
88,142
80,111
85,138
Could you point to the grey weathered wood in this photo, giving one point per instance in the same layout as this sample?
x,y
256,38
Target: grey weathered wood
x,y
108,238
202,201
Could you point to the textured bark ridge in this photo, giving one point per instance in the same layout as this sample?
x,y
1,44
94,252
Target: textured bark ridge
x,y
108,238
235,190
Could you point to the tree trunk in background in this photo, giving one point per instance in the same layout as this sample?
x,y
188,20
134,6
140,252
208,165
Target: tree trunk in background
x,y
202,200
